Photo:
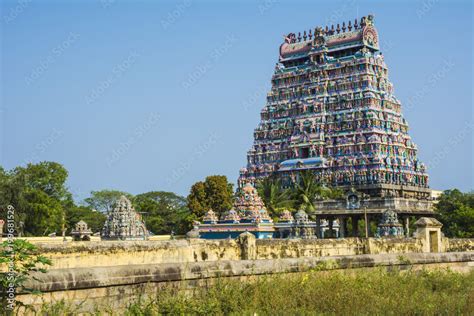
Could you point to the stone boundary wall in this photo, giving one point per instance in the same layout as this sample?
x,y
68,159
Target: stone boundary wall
x,y
119,253
113,273
116,286
107,253
60,239
458,244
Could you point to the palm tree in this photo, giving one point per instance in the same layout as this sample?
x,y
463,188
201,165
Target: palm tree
x,y
274,196
306,190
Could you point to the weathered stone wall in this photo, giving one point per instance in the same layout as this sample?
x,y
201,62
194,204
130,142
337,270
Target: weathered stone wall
x,y
106,288
458,244
119,253
298,248
277,249
393,245
99,273
60,239
101,254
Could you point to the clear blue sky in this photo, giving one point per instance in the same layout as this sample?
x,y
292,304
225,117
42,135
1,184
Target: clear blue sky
x,y
155,96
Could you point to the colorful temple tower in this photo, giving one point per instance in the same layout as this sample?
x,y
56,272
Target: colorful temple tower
x,y
248,215
331,109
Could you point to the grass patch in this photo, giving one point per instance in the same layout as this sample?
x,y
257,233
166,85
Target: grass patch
x,y
365,292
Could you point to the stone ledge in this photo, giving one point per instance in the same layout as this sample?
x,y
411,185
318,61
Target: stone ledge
x,y
88,278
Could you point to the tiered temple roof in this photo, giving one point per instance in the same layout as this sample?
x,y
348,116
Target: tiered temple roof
x,y
331,109
248,215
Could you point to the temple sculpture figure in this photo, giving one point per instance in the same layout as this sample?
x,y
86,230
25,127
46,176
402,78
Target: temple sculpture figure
x,y
248,215
123,223
332,110
298,226
389,225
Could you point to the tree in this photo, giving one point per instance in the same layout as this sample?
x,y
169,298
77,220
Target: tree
x,y
274,196
306,190
219,193
215,192
43,214
39,195
48,177
105,200
163,212
197,199
456,212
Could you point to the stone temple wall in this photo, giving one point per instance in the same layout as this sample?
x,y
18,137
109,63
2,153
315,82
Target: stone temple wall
x,y
111,274
120,253
458,244
107,253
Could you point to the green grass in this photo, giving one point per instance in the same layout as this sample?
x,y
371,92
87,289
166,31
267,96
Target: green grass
x,y
365,292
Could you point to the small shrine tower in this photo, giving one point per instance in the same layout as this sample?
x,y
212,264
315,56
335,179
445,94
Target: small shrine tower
x,y
123,223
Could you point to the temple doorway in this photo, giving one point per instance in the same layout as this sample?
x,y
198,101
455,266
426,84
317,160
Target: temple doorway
x,y
433,240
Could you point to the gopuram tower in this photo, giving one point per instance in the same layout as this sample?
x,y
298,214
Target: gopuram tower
x,y
331,109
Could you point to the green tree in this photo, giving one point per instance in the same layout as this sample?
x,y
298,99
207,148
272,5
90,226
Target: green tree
x,y
306,190
104,200
48,177
43,214
197,199
275,197
163,212
39,194
220,193
94,219
456,212
215,192
4,180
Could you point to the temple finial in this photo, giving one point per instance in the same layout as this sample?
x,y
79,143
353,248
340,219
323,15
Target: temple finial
x,y
299,36
349,26
356,24
305,36
343,27
338,29
310,35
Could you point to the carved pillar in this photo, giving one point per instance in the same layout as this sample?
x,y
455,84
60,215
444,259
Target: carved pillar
x,y
407,226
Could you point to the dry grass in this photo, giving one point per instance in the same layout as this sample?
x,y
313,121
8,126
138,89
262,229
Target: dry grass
x,y
371,292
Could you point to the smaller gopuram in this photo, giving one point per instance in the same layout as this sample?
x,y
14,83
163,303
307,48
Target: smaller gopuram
x,y
248,215
124,223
